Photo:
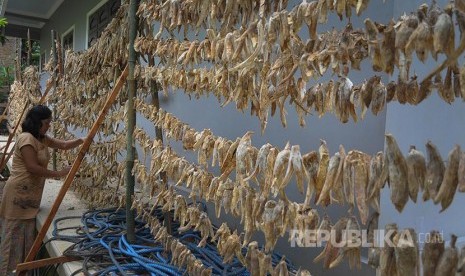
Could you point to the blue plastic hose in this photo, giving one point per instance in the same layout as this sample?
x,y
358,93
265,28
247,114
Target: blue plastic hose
x,y
102,244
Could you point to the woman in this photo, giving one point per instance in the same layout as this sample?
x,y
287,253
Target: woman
x,y
23,190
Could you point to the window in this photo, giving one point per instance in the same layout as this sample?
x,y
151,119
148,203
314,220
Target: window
x,y
100,18
68,40
42,61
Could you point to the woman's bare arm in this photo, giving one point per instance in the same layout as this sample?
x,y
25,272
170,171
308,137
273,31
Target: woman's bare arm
x,y
32,164
63,144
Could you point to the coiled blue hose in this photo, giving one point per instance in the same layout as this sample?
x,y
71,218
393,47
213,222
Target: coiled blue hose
x,y
102,244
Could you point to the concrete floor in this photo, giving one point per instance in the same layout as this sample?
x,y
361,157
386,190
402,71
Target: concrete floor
x,y
71,206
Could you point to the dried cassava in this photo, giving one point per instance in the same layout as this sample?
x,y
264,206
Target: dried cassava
x,y
416,165
461,265
449,183
406,251
361,167
330,179
397,167
348,180
434,171
387,258
421,40
432,251
323,153
310,161
449,258
374,251
330,252
337,193
443,33
461,173
251,258
351,246
374,173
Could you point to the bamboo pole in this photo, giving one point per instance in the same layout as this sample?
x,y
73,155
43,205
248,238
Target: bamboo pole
x,y
54,52
55,77
131,122
60,56
77,162
154,88
18,60
449,60
29,47
10,138
58,65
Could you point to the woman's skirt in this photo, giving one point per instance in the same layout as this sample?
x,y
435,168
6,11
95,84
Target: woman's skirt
x,y
18,235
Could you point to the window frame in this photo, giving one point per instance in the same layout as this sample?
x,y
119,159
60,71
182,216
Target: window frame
x,y
67,32
42,61
91,13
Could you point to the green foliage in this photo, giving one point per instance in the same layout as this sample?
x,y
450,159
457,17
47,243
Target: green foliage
x,y
35,52
6,75
3,23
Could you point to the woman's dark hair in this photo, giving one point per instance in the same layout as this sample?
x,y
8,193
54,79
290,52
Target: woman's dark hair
x,y
33,121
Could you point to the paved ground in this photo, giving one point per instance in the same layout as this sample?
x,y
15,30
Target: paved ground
x,y
71,206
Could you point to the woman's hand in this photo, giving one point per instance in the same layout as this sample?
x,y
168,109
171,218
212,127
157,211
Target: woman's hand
x,y
77,142
64,144
64,171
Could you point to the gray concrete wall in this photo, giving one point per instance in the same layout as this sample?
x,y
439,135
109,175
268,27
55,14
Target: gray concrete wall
x,y
366,135
432,120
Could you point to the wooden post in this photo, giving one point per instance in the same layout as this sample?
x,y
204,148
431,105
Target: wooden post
x,y
29,47
45,262
154,88
10,138
449,60
60,57
130,123
18,60
55,77
54,52
77,162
